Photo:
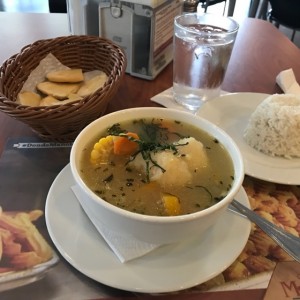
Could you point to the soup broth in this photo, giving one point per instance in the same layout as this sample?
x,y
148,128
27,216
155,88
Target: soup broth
x,y
173,168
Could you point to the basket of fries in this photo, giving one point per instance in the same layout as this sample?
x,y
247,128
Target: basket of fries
x,y
58,107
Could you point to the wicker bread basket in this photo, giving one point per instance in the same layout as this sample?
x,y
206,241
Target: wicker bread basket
x,y
62,123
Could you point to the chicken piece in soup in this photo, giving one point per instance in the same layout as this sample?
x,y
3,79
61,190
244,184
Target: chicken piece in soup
x,y
157,167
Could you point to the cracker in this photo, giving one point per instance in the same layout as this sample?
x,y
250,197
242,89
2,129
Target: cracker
x,y
70,75
71,98
92,85
49,100
74,97
29,98
58,90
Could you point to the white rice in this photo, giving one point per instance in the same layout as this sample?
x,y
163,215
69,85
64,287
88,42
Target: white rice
x,y
274,126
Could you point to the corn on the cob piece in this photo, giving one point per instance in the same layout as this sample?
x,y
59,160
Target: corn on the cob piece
x,y
102,150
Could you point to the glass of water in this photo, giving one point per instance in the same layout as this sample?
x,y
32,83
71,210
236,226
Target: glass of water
x,y
202,48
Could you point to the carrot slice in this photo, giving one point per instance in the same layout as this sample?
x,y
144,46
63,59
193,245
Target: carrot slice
x,y
124,146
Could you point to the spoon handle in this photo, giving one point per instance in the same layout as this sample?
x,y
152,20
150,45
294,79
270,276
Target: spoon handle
x,y
287,241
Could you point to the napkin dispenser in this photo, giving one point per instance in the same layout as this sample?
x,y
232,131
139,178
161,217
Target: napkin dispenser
x,y
143,28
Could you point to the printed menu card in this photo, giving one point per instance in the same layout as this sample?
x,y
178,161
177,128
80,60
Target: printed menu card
x,y
31,264
285,282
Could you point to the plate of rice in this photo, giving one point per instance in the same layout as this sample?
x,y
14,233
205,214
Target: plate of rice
x,y
266,128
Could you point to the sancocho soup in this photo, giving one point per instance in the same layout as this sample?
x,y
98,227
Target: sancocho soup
x,y
157,167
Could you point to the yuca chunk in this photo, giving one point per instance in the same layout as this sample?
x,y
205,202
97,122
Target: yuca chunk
x,y
171,164
190,158
69,75
194,153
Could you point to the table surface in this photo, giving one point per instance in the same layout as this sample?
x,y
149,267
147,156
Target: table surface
x,y
259,54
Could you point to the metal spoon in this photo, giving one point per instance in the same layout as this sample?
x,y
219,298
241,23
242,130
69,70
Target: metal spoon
x,y
287,241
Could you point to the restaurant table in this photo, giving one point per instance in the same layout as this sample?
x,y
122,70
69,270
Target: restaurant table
x,y
259,54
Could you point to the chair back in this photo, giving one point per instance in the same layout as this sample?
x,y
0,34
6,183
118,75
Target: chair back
x,y
286,12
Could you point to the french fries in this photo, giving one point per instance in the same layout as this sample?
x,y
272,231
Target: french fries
x,y
21,244
279,204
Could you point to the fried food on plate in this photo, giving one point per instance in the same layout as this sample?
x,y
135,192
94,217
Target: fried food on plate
x,y
21,244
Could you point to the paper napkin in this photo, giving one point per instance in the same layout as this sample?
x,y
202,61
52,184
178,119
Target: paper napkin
x,y
287,82
126,248
166,99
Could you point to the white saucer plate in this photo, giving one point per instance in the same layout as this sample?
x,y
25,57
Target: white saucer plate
x,y
166,269
231,112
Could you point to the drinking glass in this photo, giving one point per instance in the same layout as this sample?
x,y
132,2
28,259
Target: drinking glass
x,y
202,48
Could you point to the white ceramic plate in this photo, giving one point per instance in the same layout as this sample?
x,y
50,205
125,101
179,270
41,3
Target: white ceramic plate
x,y
231,112
166,269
